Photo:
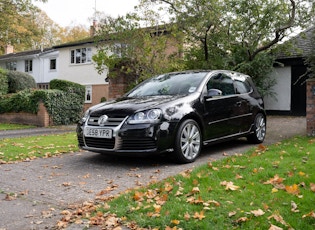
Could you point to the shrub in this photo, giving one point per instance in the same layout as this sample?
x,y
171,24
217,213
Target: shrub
x,y
64,106
19,81
67,86
3,82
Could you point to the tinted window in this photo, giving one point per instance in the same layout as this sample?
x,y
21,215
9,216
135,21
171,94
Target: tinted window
x,y
221,82
242,87
169,84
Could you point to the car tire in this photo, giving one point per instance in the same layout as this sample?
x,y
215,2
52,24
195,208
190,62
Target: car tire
x,y
188,142
259,129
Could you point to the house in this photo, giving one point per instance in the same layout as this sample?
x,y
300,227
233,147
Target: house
x,y
41,64
75,64
291,75
71,62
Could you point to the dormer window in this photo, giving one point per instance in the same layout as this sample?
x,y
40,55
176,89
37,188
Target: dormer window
x,y
81,55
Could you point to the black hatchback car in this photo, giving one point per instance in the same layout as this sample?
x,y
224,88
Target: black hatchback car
x,y
176,113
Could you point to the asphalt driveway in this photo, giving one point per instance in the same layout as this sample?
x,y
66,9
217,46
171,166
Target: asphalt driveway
x,y
32,194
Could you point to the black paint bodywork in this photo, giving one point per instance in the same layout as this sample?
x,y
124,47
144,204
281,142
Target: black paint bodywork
x,y
220,117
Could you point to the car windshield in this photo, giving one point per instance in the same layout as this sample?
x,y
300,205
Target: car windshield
x,y
169,84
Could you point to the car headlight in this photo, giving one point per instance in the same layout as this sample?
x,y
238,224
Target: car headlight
x,y
148,116
85,116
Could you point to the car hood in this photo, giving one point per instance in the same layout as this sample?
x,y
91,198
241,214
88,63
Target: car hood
x,y
127,106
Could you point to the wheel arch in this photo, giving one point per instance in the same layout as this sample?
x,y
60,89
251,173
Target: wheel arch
x,y
194,117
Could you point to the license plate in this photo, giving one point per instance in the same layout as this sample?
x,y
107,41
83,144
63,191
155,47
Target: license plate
x,y
98,132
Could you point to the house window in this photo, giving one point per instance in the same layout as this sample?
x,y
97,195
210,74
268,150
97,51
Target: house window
x,y
28,65
88,94
11,65
52,65
120,50
43,85
82,55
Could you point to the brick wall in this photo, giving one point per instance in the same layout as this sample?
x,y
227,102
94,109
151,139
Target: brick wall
x,y
117,87
41,119
310,107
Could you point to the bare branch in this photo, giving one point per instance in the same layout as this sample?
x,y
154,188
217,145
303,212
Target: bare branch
x,y
279,33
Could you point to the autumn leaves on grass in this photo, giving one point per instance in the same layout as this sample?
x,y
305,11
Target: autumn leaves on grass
x,y
266,188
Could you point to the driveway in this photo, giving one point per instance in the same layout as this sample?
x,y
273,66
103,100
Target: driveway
x,y
32,194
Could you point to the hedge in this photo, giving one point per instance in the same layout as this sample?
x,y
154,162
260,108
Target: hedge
x,y
64,106
19,81
3,82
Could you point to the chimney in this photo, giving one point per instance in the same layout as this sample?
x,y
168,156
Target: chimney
x,y
8,49
93,28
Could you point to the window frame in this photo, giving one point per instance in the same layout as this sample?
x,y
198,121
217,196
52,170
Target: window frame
x,y
28,66
81,55
50,64
11,65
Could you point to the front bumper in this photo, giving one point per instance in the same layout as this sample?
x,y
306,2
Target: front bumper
x,y
138,139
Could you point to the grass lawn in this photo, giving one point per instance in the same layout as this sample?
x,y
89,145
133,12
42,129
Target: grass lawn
x,y
266,188
14,126
28,148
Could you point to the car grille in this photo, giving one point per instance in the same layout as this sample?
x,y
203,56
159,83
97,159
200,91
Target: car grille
x,y
137,144
111,122
100,143
122,144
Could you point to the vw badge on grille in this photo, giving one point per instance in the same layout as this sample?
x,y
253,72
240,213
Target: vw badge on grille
x,y
102,120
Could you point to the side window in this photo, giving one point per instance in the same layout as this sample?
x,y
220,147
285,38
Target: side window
x,y
242,87
221,82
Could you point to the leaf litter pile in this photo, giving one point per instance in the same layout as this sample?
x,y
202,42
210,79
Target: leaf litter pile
x,y
266,188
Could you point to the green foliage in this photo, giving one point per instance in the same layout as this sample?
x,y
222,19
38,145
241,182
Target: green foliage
x,y
64,105
135,52
260,70
67,86
20,81
3,82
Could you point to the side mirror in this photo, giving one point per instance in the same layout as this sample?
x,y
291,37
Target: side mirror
x,y
214,93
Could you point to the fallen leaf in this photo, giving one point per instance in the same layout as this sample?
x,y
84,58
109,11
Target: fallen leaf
x,y
278,218
312,185
238,176
274,227
294,207
195,190
292,189
258,212
232,214
311,214
229,185
66,184
187,216
242,219
10,197
275,180
176,222
199,215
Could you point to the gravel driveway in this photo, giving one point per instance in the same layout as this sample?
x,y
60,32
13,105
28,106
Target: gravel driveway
x,y
38,190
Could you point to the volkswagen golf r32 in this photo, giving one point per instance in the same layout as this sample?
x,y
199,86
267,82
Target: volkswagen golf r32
x,y
176,113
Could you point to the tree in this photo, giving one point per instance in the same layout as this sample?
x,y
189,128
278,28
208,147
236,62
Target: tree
x,y
233,34
17,23
124,47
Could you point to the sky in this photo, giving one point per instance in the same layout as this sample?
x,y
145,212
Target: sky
x,y
74,12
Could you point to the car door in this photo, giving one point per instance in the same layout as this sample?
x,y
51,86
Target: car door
x,y
221,114
243,89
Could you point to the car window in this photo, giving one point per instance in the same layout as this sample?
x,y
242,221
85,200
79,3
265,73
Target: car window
x,y
169,84
221,82
242,87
